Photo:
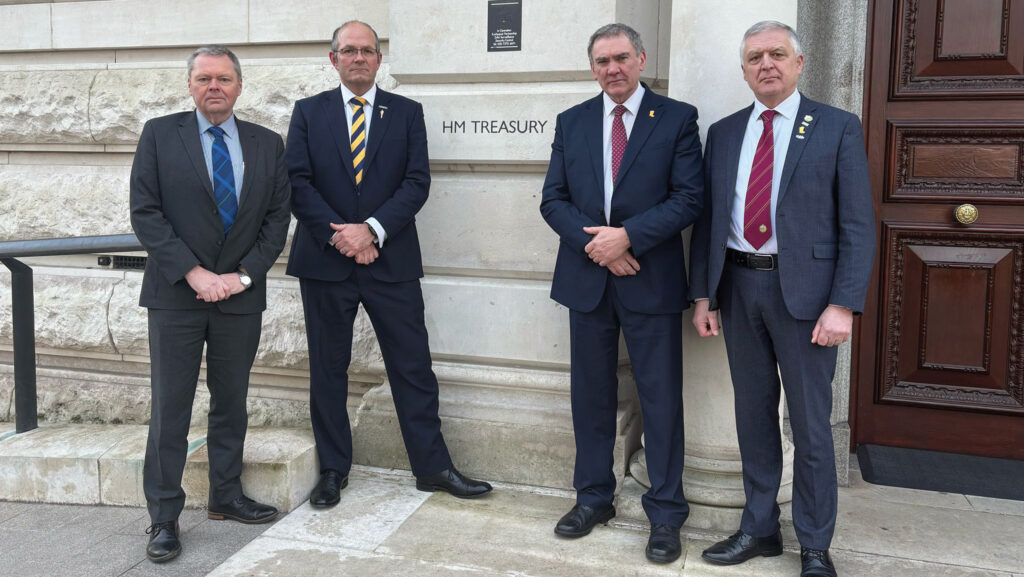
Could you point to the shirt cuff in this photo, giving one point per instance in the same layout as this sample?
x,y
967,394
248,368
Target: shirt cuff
x,y
381,235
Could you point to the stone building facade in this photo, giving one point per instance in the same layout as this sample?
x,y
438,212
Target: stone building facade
x,y
79,78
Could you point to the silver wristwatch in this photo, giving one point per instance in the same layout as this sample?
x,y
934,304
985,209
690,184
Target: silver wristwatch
x,y
245,279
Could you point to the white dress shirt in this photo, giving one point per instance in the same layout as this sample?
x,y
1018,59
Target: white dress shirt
x,y
371,94
632,104
782,126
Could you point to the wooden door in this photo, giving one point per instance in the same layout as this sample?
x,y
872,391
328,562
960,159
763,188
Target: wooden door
x,y
939,353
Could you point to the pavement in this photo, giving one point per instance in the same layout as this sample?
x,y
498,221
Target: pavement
x,y
384,526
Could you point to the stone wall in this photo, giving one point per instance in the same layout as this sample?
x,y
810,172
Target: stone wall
x,y
79,78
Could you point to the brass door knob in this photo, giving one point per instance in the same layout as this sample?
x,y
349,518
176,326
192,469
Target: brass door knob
x,y
966,213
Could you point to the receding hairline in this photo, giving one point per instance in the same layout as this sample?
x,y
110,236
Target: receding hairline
x,y
337,32
769,26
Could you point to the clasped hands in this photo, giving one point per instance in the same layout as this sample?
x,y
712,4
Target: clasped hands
x,y
212,287
609,248
354,240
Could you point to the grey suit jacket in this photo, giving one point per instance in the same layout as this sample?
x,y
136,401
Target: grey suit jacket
x,y
174,214
824,219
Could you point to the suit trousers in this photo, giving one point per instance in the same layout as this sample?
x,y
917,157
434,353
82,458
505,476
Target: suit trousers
x,y
764,340
176,339
654,343
396,312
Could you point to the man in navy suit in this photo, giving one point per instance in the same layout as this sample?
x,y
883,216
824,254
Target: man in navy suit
x,y
624,180
357,158
784,249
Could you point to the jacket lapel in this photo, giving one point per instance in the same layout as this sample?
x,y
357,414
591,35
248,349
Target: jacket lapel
x,y
796,144
733,143
250,154
378,125
647,117
188,130
338,126
592,126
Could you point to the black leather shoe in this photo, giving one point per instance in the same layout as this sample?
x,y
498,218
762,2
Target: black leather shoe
x,y
663,545
455,483
163,542
743,547
327,492
243,510
581,519
816,563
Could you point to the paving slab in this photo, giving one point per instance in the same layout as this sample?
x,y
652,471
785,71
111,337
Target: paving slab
x,y
271,557
946,536
1000,506
513,531
370,510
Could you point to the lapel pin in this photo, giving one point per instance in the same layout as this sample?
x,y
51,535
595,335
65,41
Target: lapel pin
x,y
808,118
800,136
801,130
382,109
651,114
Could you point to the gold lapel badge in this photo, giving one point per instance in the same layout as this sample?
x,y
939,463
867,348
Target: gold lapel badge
x,y
801,131
651,114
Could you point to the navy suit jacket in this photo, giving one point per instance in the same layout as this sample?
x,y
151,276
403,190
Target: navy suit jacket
x,y
658,193
174,213
824,218
396,181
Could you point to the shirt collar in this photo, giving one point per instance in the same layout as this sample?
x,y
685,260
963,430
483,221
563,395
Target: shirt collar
x,y
632,103
787,108
229,126
370,96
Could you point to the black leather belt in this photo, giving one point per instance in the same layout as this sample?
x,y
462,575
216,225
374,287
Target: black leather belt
x,y
753,260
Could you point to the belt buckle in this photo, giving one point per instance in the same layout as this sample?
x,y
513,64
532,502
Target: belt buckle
x,y
755,259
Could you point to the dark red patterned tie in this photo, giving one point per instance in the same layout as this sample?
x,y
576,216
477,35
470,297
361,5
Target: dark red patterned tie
x,y
618,140
757,217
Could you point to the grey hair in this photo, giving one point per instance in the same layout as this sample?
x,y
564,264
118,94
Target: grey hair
x,y
334,36
611,31
215,50
766,25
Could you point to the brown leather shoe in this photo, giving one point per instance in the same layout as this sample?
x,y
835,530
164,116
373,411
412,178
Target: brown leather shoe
x,y
243,510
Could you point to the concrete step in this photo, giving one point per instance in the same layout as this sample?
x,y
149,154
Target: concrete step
x,y
102,464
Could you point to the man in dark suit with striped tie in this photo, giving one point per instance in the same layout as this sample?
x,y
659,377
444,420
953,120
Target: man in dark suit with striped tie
x,y
209,202
357,157
784,250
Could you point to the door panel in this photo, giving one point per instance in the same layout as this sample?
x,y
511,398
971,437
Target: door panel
x,y
939,351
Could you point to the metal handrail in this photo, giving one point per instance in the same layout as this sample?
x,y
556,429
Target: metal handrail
x,y
23,308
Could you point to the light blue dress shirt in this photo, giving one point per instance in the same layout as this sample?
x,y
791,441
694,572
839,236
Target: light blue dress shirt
x,y
234,149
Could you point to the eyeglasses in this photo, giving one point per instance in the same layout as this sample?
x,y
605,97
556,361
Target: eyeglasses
x,y
349,52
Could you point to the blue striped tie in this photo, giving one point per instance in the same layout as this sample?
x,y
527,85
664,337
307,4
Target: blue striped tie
x,y
358,136
223,179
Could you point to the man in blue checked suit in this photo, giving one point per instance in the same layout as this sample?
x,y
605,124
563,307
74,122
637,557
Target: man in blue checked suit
x,y
784,250
209,202
623,182
357,157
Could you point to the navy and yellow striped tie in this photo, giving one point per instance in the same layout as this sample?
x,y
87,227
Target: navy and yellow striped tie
x,y
358,135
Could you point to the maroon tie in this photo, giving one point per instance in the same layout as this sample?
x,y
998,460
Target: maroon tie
x,y
757,217
618,140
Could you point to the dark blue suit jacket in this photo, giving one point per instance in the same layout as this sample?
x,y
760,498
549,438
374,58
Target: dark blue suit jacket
x,y
658,193
824,219
396,181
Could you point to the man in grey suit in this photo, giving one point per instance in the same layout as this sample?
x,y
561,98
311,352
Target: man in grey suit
x,y
210,204
784,250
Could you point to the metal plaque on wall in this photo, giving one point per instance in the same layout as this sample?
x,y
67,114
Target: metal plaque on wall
x,y
504,25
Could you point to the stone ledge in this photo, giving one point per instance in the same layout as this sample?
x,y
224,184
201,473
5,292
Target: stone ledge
x,y
102,464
